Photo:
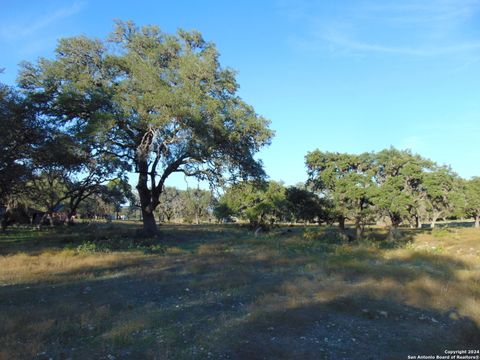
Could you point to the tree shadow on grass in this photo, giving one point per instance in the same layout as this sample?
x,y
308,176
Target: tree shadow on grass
x,y
115,236
178,303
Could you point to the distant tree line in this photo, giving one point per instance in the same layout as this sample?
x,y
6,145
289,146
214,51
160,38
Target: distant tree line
x,y
392,187
192,206
262,204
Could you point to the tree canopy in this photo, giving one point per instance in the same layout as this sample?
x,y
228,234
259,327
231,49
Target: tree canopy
x,y
160,102
348,181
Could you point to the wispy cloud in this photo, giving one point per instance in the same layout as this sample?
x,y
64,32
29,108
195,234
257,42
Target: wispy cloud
x,y
350,44
24,28
427,12
409,28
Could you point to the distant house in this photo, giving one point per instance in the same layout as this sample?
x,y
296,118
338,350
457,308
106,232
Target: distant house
x,y
35,215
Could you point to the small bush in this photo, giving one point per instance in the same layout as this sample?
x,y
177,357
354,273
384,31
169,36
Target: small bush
x,y
155,249
87,247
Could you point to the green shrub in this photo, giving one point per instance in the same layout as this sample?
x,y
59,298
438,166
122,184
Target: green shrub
x,y
107,245
87,247
156,249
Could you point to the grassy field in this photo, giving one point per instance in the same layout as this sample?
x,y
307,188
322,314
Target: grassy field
x,y
218,292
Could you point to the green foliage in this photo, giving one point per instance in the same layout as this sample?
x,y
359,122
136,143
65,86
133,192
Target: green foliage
x,y
20,134
116,193
172,205
197,204
440,233
347,180
441,193
472,199
158,101
369,243
394,183
399,175
305,205
223,211
89,247
261,204
115,244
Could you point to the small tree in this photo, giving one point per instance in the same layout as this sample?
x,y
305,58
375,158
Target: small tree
x,y
172,205
262,204
197,203
116,193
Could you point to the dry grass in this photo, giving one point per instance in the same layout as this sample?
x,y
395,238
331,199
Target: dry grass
x,y
221,291
61,266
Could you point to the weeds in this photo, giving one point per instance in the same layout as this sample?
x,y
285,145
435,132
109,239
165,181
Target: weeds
x,y
108,245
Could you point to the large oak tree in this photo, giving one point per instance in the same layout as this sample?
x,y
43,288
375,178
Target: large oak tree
x,y
161,102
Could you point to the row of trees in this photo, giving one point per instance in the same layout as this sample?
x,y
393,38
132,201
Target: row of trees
x,y
398,185
264,203
391,186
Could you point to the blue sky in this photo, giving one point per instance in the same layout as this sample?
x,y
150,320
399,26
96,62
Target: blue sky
x,y
347,76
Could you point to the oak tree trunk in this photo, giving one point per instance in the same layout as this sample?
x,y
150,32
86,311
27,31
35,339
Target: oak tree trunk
x,y
434,221
394,233
418,222
359,229
148,202
149,225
